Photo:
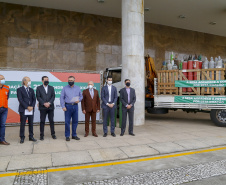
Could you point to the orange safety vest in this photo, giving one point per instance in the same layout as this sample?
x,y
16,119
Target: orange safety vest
x,y
4,93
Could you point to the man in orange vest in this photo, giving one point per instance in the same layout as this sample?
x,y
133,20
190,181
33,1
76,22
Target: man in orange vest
x,y
4,96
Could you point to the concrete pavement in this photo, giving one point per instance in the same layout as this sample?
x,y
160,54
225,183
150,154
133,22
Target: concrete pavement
x,y
161,134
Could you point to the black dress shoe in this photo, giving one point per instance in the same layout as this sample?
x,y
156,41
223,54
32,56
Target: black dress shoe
x,y
41,138
105,135
132,134
21,140
67,139
54,137
121,134
75,137
32,139
113,134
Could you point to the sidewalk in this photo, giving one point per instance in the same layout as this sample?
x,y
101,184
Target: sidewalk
x,y
161,134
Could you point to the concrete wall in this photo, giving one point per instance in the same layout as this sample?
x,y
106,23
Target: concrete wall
x,y
40,38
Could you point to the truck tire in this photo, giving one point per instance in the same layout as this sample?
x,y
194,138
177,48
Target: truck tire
x,y
157,111
218,116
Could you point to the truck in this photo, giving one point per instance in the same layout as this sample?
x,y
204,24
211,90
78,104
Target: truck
x,y
171,90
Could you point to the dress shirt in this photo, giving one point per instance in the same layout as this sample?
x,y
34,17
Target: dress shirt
x,y
68,93
46,88
109,91
27,90
91,92
128,92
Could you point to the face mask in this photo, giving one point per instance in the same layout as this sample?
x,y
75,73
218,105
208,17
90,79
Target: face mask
x,y
46,82
90,86
29,83
71,83
2,82
109,82
127,84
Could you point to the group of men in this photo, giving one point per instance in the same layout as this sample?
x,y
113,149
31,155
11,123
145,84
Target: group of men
x,y
70,97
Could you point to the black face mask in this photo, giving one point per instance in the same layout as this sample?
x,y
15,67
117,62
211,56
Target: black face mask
x,y
127,84
71,83
46,82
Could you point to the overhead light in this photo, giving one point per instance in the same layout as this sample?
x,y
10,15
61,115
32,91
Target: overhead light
x,y
146,9
182,16
213,23
100,1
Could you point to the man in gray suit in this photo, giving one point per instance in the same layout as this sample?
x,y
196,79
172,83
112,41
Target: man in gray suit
x,y
109,99
46,95
128,99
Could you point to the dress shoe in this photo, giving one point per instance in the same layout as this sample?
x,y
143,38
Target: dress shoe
x,y
132,134
4,143
54,137
113,134
41,138
67,139
75,137
121,134
105,135
86,134
22,140
95,135
32,139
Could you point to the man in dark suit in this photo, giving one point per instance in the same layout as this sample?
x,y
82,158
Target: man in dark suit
x,y
128,99
109,99
46,95
26,98
90,106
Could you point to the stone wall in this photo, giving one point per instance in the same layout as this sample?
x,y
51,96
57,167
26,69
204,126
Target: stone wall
x,y
32,37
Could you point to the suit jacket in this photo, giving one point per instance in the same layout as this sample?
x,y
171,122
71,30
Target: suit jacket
x,y
124,97
105,96
42,97
90,104
24,99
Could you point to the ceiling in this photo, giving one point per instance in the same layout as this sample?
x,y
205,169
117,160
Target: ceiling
x,y
199,13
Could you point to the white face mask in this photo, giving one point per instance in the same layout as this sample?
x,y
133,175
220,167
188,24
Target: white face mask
x,y
109,82
29,83
90,86
2,82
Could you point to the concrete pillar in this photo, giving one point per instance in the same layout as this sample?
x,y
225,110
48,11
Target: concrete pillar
x,y
133,52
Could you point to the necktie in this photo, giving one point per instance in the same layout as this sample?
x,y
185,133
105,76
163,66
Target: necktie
x,y
92,93
27,92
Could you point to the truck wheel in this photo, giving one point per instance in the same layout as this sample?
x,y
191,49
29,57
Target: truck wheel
x,y
218,116
157,111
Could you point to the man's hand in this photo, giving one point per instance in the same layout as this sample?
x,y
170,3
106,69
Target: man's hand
x,y
64,109
47,105
129,106
111,105
77,101
84,112
30,108
98,111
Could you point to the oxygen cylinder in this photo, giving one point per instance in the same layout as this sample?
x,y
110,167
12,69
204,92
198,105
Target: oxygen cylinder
x,y
184,67
190,74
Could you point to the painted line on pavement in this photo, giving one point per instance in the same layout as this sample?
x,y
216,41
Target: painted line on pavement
x,y
111,163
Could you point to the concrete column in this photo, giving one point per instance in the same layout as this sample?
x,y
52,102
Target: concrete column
x,y
133,52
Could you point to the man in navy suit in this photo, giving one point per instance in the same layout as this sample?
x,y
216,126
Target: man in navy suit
x,y
109,99
46,96
27,99
128,99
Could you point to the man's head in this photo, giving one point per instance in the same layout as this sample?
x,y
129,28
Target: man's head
x,y
45,80
71,80
2,80
26,81
127,82
90,84
109,80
